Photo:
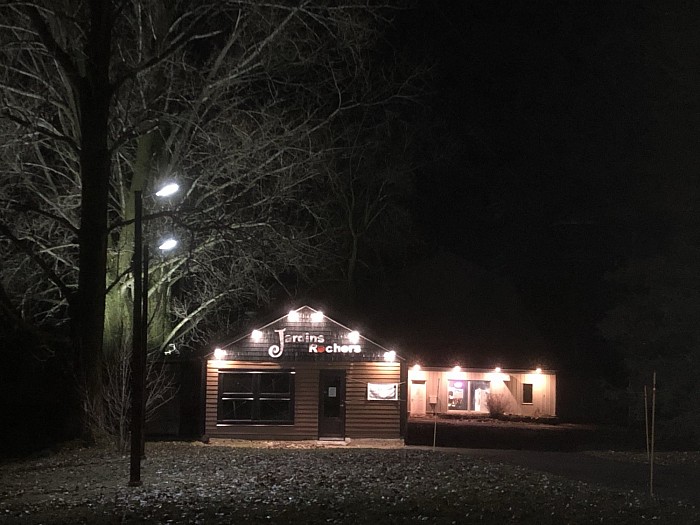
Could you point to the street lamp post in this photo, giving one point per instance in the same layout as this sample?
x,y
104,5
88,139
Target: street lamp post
x,y
139,337
138,349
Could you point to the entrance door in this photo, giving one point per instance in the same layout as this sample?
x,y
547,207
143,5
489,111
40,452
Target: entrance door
x,y
331,409
418,397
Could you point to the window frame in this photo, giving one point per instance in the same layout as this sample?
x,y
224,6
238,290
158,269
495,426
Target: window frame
x,y
257,397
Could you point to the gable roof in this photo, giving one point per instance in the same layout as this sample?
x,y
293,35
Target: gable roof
x,y
311,323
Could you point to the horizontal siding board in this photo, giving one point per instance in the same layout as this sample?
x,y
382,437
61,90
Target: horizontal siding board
x,y
363,418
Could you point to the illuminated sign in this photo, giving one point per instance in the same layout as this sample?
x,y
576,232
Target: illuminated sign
x,y
382,391
317,344
335,348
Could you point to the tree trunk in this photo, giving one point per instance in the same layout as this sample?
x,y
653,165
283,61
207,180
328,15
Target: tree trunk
x,y
94,101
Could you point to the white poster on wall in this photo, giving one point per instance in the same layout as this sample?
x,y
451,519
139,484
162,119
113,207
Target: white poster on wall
x,y
382,391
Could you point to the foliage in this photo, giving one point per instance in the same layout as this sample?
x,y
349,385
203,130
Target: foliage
x,y
497,404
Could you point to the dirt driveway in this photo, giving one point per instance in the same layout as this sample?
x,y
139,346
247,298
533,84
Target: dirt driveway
x,y
679,481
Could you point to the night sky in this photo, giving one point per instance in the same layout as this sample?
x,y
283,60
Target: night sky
x,y
564,135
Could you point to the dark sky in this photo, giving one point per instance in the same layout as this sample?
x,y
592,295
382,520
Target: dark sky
x,y
563,135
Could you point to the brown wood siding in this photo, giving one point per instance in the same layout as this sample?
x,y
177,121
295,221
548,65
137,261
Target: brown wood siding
x,y
363,418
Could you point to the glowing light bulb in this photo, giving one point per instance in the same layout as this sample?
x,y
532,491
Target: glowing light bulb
x,y
168,190
167,245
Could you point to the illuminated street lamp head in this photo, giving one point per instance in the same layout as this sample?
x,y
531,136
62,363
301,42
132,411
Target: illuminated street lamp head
x,y
167,245
168,190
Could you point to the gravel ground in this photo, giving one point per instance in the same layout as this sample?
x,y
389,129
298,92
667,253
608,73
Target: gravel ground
x,y
268,482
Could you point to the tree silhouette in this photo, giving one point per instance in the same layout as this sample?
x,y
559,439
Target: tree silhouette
x,y
235,100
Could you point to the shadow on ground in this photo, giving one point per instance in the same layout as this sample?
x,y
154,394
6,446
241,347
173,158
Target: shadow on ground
x,y
495,434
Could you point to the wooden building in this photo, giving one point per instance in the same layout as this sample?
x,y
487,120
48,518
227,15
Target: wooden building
x,y
304,376
459,391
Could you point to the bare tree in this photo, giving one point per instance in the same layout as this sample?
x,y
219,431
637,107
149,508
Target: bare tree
x,y
234,99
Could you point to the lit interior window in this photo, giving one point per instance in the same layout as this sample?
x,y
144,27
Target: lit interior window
x,y
293,316
256,335
316,317
354,337
219,353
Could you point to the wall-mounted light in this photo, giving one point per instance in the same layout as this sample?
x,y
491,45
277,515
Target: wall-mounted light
x,y
538,370
293,316
316,317
416,367
457,369
219,353
256,335
354,337
390,356
497,369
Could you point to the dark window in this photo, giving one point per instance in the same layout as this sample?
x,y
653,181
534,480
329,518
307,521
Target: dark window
x,y
527,393
237,383
256,397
